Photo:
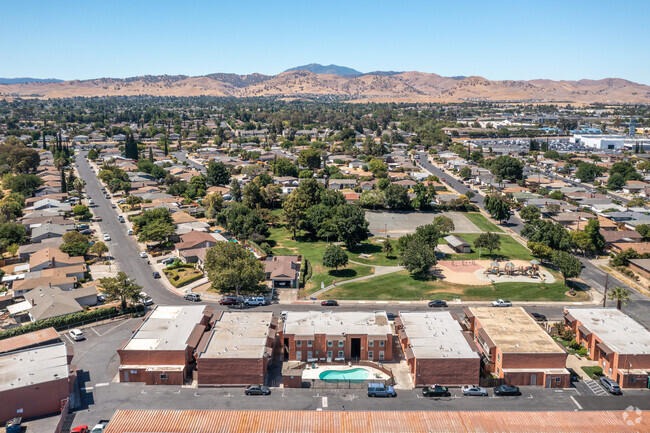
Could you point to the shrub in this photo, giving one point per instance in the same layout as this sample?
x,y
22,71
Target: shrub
x,y
582,351
574,344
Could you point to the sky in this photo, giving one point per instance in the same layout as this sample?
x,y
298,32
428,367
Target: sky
x,y
559,40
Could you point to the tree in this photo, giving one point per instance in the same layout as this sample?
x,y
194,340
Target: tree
x,y
244,222
235,190
351,224
310,158
387,247
372,198
131,147
445,225
569,266
596,238
540,250
230,266
217,173
582,241
12,233
621,295
99,249
615,181
397,197
122,288
552,235
507,167
417,255
378,167
284,167
80,210
334,257
530,213
156,231
626,170
643,230
429,234
490,241
212,203
150,155
78,185
498,209
24,184
587,171
465,172
294,211
75,244
556,195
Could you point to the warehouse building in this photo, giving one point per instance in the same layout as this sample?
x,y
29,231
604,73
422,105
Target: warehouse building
x,y
237,350
161,349
36,381
437,350
514,347
328,336
619,344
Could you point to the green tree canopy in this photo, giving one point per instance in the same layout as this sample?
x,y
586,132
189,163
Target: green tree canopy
x,y
230,267
334,257
569,266
122,288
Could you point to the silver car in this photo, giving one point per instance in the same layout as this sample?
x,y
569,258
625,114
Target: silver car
x,y
474,390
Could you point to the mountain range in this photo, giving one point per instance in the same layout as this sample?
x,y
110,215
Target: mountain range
x,y
341,83
28,80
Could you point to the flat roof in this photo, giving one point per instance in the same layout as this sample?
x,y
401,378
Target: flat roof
x,y
616,329
436,335
239,335
32,366
166,328
308,323
380,421
513,330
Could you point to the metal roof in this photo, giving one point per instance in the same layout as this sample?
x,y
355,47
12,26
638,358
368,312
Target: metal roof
x,y
28,340
226,421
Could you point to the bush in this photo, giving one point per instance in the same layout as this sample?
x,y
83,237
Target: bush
x,y
574,344
583,351
176,282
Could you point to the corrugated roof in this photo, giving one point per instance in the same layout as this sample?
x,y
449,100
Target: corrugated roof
x,y
224,421
28,340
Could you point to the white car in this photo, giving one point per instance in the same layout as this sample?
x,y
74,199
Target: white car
x,y
76,334
501,303
146,299
107,237
474,390
143,254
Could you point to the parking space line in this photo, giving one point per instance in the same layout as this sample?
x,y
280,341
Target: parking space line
x,y
69,339
112,329
324,404
576,403
98,385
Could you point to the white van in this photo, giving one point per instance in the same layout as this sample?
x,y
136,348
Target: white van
x,y
255,301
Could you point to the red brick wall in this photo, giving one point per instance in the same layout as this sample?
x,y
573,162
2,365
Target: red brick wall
x,y
35,400
154,357
319,344
173,377
292,381
231,371
524,378
446,371
532,360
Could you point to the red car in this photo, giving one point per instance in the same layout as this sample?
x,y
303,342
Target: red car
x,y
80,429
228,301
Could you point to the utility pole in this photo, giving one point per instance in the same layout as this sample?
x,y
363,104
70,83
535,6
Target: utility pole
x,y
605,292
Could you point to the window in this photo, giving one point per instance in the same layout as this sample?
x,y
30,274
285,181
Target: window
x,y
341,355
498,357
309,355
557,380
329,354
632,379
298,343
382,343
163,377
371,343
381,355
497,371
309,343
370,355
299,355
341,342
330,343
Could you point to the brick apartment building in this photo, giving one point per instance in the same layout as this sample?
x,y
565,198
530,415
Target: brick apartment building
x,y
514,347
327,336
237,350
161,349
437,350
619,344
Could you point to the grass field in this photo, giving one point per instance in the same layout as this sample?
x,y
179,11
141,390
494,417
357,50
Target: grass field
x,y
482,223
402,286
510,249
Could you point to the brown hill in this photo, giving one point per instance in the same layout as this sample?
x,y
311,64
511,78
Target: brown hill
x,y
402,87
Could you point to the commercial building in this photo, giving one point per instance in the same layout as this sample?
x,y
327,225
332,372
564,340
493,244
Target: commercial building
x,y
514,347
337,336
35,381
437,350
161,349
237,350
619,344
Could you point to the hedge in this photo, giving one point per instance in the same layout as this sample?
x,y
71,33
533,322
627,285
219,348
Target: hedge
x,y
66,321
179,283
306,272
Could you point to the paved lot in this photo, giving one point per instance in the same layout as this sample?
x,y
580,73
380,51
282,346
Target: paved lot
x,y
397,224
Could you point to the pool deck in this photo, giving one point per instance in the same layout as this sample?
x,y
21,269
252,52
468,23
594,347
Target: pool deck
x,y
314,373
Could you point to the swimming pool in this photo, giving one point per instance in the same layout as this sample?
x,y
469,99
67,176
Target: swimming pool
x,y
352,375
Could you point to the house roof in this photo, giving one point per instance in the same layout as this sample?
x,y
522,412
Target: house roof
x,y
53,302
282,267
193,238
54,257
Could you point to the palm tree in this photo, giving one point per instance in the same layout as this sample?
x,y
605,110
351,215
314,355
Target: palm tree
x,y
621,295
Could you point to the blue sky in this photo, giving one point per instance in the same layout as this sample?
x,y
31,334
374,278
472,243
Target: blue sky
x,y
569,39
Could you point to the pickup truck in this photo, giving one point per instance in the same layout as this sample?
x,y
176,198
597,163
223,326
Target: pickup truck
x,y
501,303
100,426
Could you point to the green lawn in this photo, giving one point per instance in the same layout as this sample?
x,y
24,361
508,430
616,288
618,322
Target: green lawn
x,y
510,249
402,286
374,248
482,223
280,239
594,372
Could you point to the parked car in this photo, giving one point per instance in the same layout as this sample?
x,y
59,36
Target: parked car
x,y
257,390
391,316
610,385
330,303
501,303
168,260
192,297
107,195
102,297
96,219
129,232
90,201
13,425
81,226
107,237
435,391
438,303
380,390
76,334
539,317
254,301
156,274
506,390
80,429
100,426
474,390
120,218
143,254
146,299
87,232
228,301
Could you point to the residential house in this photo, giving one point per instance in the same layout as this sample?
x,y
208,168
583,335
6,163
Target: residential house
x,y
52,301
283,271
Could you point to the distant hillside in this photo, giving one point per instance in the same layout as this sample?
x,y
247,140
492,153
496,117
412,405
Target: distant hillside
x,y
317,68
28,80
384,86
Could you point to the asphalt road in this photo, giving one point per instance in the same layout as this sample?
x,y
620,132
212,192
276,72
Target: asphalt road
x,y
182,157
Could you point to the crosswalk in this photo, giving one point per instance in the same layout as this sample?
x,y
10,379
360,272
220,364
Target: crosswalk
x,y
595,387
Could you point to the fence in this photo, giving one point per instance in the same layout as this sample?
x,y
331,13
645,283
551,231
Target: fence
x,y
490,382
345,384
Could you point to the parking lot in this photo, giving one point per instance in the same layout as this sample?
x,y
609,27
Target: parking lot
x,y
397,224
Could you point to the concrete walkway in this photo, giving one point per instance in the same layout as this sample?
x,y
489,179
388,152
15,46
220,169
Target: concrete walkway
x,y
572,361
379,270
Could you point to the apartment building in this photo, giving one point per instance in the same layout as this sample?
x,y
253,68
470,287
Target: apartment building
x,y
619,344
514,347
